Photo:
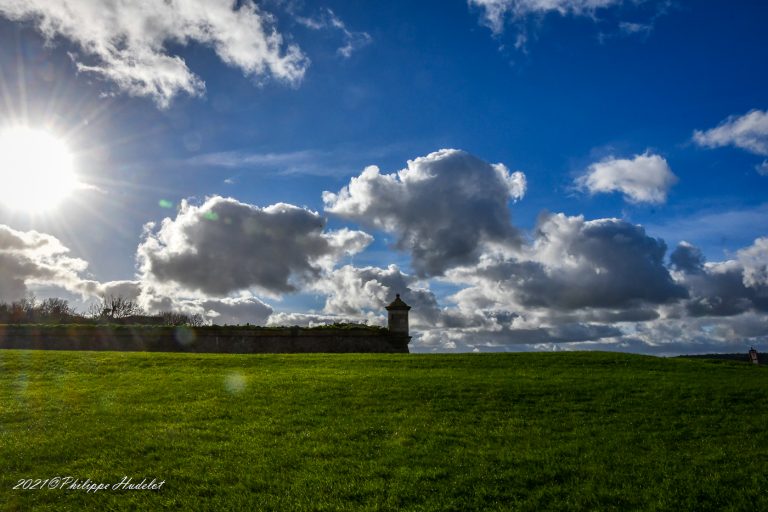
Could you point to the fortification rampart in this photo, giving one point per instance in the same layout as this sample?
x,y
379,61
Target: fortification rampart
x,y
232,340
212,338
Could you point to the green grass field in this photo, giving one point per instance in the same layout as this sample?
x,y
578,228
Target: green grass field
x,y
565,431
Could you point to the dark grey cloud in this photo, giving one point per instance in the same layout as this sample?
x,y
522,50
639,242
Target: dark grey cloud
x,y
725,288
641,313
565,333
603,284
576,264
224,246
13,278
687,258
444,208
705,334
720,292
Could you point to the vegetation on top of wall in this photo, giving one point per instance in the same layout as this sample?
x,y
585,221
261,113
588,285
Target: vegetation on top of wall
x,y
109,310
347,326
116,311
117,329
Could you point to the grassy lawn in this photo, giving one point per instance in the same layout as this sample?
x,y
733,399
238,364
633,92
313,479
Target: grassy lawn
x,y
573,431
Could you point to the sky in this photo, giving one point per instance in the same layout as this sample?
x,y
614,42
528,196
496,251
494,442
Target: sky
x,y
526,174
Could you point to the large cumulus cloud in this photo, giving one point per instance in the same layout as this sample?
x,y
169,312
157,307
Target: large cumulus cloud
x,y
444,208
224,246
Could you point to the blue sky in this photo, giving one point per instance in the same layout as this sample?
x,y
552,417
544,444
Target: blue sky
x,y
624,128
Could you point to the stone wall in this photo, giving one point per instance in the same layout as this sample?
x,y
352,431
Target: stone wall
x,y
232,340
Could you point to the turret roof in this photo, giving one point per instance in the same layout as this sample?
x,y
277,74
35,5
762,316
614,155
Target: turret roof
x,y
398,304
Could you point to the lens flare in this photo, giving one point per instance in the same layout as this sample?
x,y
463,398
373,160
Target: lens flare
x,y
235,382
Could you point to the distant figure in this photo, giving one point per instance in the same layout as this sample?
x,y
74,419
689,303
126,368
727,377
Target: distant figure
x,y
753,355
397,320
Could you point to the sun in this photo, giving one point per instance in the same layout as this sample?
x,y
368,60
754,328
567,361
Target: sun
x,y
36,169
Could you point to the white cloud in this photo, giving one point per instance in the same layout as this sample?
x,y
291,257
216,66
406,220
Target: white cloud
x,y
283,318
351,290
495,12
224,246
645,178
339,161
312,162
749,132
289,161
635,28
242,308
353,41
30,257
505,339
754,260
673,336
229,310
128,289
128,43
444,208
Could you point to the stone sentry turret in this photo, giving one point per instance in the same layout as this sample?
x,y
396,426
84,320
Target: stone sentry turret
x,y
397,318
